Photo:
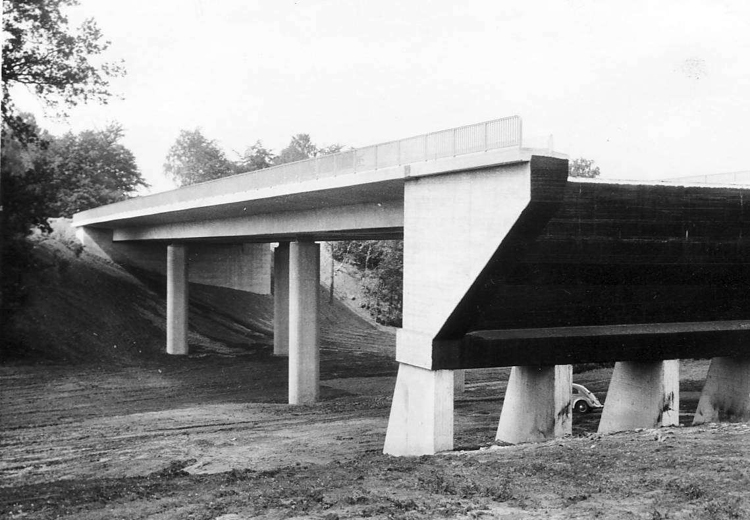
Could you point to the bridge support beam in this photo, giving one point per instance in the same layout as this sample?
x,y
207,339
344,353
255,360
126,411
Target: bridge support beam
x,y
304,351
642,395
281,300
537,405
421,420
726,393
177,299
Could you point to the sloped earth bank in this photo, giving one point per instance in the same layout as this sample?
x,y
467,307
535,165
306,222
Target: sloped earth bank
x,y
128,432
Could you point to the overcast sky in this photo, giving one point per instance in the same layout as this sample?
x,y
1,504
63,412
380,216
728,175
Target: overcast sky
x,y
647,89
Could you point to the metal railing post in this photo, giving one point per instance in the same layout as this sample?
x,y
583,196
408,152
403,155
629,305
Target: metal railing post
x,y
453,143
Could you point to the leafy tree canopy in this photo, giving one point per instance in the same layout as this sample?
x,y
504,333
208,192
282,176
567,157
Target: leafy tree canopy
x,y
194,158
256,157
381,263
582,167
56,62
91,169
26,173
301,147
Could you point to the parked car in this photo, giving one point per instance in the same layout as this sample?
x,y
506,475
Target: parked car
x,y
584,400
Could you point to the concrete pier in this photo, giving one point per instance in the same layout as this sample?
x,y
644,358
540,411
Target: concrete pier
x,y
304,350
726,393
177,299
642,395
537,404
459,381
421,420
281,300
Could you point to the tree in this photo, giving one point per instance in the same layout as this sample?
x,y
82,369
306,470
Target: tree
x,y
56,62
194,158
27,175
582,167
91,169
381,263
301,147
256,157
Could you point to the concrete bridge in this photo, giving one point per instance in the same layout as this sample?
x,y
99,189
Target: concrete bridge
x,y
506,263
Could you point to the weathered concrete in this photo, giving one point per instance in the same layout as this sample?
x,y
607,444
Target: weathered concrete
x,y
245,267
726,393
642,395
421,420
304,349
281,300
537,404
177,299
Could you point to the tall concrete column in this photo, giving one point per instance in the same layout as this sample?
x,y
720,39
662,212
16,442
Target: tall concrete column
x,y
421,420
726,393
281,300
642,395
177,299
537,404
304,351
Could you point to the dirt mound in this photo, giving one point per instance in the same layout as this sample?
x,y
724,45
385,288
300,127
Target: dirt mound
x,y
84,309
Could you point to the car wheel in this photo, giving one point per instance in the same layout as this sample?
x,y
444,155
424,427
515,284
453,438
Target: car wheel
x,y
581,407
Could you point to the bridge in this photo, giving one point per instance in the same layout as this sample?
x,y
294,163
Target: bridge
x,y
506,263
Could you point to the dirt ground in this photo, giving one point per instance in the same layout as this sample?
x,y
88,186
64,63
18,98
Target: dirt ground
x,y
103,425
210,437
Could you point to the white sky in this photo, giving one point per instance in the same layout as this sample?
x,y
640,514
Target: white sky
x,y
647,89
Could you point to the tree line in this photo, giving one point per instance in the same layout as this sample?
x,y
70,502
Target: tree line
x,y
194,158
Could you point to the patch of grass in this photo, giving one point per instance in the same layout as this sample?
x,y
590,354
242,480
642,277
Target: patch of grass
x,y
689,490
718,509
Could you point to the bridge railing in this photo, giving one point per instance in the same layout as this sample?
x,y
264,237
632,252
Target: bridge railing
x,y
480,137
